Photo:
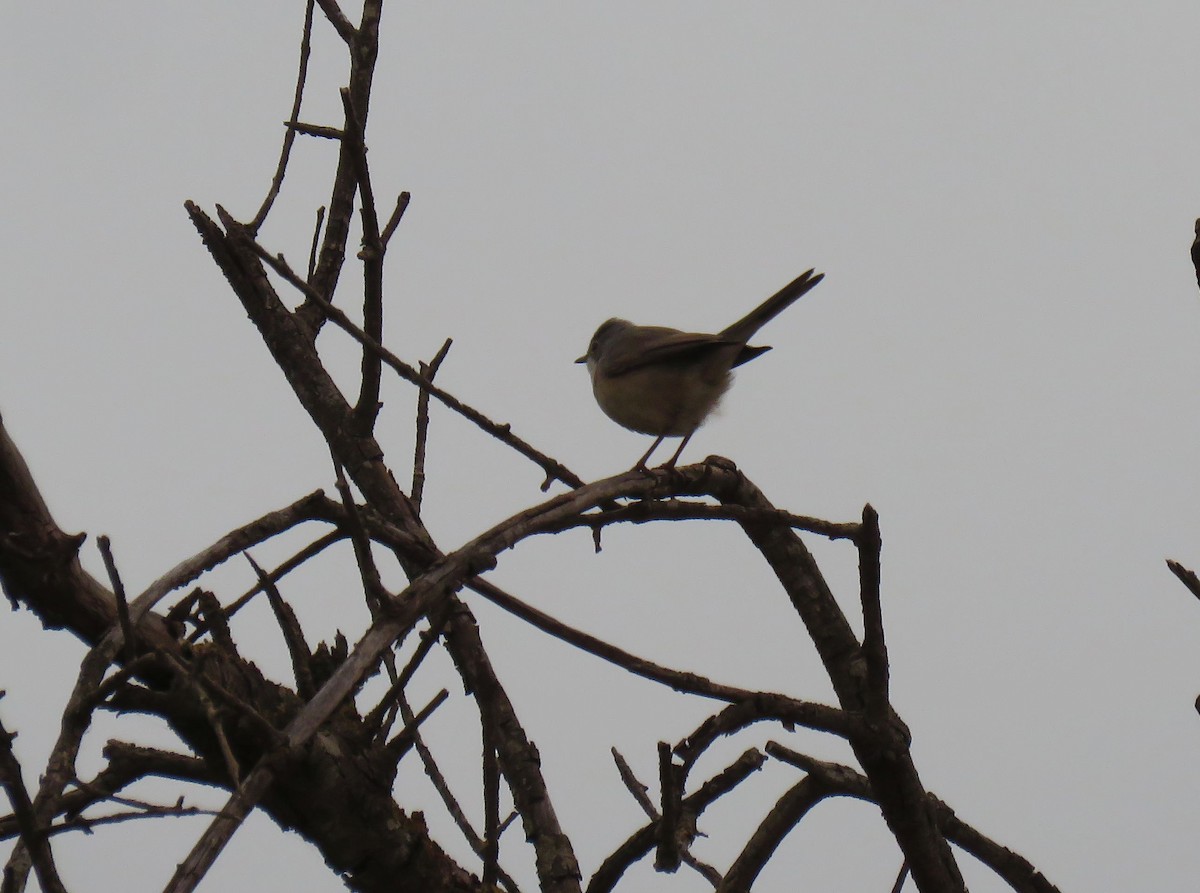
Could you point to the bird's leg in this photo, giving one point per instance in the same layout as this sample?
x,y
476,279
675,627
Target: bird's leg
x,y
641,463
670,463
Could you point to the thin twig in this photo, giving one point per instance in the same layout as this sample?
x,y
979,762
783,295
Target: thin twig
x,y
502,432
377,721
289,135
366,410
192,680
363,45
429,370
640,792
775,706
311,550
438,780
238,540
727,721
316,243
372,582
394,221
373,589
114,576
403,742
320,131
643,840
289,626
87,823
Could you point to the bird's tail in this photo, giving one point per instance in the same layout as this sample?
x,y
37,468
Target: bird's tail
x,y
743,330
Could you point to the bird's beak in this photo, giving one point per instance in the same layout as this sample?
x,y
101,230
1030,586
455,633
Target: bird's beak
x,y
582,359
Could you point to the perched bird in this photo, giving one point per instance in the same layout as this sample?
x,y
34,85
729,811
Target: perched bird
x,y
1196,252
665,382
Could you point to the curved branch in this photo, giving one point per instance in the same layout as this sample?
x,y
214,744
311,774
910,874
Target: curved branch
x,y
762,705
783,817
307,508
841,780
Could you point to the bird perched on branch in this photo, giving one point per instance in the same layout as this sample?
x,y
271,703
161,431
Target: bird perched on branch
x,y
666,382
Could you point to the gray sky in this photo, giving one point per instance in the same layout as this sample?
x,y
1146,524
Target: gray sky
x,y
1003,360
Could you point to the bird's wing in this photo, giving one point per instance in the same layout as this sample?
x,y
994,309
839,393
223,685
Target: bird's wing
x,y
669,346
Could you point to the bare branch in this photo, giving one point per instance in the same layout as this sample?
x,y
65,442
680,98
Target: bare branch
x,y
378,721
394,221
767,705
118,588
320,131
127,763
338,19
363,45
289,136
366,410
316,243
881,744
491,809
238,540
293,635
841,780
372,583
60,768
1016,871
438,780
785,815
667,857
311,550
150,811
33,832
643,840
639,791
417,600
1186,577
674,509
403,742
429,371
191,679
502,432
874,647
287,336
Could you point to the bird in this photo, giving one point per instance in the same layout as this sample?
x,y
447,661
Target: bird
x,y
1196,252
665,382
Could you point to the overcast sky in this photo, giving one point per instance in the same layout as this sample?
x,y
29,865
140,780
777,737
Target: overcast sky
x,y
1003,360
